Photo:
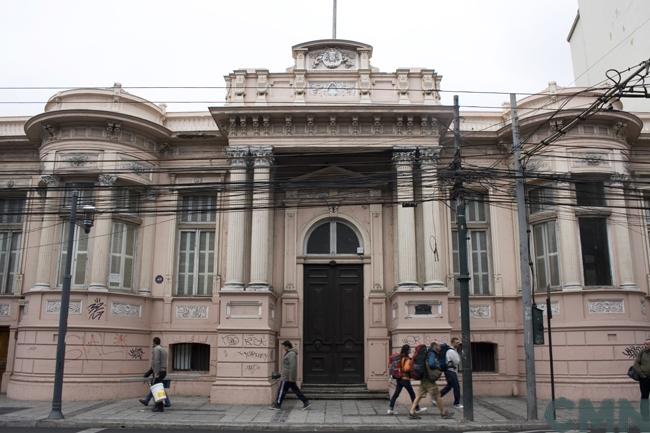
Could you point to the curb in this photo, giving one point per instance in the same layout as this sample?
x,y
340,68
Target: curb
x,y
462,426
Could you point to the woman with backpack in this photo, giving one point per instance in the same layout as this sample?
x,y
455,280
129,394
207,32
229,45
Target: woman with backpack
x,y
404,380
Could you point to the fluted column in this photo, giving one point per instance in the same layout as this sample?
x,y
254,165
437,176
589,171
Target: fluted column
x,y
431,227
619,222
262,159
49,225
236,217
406,252
568,238
101,234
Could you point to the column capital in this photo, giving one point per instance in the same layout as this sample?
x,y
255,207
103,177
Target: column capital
x,y
429,154
403,155
262,155
237,156
48,180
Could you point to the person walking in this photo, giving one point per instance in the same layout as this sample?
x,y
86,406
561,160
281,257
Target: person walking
x,y
158,368
428,386
404,382
288,377
452,358
642,366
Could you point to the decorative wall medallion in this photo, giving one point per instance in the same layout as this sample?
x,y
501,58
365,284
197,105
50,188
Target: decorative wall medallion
x,y
332,88
5,310
331,58
480,311
191,311
127,310
55,307
605,306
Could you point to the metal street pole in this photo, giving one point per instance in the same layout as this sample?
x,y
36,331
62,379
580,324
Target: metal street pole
x,y
549,316
56,413
334,20
526,295
463,277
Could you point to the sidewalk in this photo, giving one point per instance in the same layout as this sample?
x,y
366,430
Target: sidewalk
x,y
490,413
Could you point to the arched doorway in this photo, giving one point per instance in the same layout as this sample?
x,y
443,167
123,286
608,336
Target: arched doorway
x,y
333,305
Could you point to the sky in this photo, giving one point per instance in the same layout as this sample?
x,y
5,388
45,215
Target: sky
x,y
480,45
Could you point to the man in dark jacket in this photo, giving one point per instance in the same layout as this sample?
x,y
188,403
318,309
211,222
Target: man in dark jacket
x,y
288,377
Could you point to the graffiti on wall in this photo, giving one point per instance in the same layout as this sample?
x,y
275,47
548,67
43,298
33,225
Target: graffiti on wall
x,y
96,309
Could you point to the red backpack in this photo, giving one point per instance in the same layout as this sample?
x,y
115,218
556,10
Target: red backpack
x,y
419,359
395,365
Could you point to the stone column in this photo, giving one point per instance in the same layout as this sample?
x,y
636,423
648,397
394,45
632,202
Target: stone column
x,y
236,217
49,225
406,252
147,234
431,224
568,235
262,159
622,247
101,234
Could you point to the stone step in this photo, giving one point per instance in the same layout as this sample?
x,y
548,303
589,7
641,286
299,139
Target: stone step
x,y
340,392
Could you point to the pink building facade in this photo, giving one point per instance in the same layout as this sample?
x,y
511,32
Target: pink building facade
x,y
315,206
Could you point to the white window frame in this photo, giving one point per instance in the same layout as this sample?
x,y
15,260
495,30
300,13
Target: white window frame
x,y
120,232
197,219
9,259
547,256
78,255
478,222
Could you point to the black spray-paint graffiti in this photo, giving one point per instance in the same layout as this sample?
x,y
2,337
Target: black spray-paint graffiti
x,y
632,351
136,353
96,309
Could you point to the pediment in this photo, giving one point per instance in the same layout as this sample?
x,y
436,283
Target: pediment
x,y
328,173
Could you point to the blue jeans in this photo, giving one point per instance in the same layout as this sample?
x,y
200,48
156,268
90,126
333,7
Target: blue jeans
x,y
149,396
405,384
452,384
286,386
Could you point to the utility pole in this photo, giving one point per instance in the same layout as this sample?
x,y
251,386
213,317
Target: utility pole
x,y
526,295
549,316
463,277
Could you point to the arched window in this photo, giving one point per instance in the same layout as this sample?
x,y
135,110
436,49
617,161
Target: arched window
x,y
333,237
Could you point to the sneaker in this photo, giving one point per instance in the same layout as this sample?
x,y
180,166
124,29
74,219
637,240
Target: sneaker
x,y
275,406
414,416
143,401
420,410
391,412
306,405
158,409
458,406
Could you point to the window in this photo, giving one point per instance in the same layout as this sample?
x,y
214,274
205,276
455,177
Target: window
x,y
595,251
123,241
540,199
127,200
85,190
79,255
484,357
190,357
11,222
333,237
591,194
196,246
546,260
476,214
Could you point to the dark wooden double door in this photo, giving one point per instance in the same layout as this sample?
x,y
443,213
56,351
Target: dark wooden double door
x,y
333,324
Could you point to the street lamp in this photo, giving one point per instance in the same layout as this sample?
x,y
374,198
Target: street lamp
x,y
87,223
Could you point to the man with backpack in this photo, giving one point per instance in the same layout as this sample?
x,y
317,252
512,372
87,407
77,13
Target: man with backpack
x,y
400,365
452,359
432,372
